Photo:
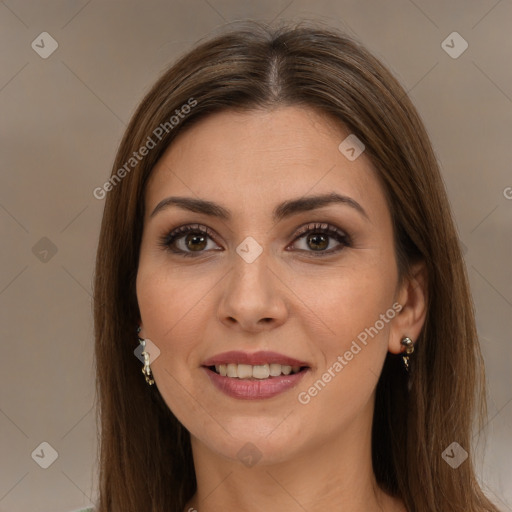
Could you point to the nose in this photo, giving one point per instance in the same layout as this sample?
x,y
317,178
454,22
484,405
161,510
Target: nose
x,y
253,297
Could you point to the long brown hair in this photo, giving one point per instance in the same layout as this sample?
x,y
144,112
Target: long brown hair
x,y
145,456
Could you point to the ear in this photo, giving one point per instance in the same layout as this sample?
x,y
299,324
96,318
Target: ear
x,y
413,297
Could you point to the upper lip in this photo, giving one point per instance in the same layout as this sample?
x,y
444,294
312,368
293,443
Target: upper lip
x,y
254,359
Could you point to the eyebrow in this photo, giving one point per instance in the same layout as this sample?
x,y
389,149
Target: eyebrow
x,y
281,211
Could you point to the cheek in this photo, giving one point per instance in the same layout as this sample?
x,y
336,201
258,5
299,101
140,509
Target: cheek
x,y
171,320
355,308
348,301
170,297
170,308
353,345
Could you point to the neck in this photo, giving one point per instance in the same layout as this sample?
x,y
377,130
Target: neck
x,y
334,474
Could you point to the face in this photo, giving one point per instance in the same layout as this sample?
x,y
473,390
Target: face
x,y
314,283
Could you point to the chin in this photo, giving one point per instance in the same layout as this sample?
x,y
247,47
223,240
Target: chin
x,y
259,442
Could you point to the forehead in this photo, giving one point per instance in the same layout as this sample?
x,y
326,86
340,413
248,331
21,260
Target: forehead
x,y
258,158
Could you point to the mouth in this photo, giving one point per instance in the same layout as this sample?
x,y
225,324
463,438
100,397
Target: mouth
x,y
259,381
255,372
262,365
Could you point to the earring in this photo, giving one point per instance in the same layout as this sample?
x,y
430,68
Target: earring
x,y
409,349
146,369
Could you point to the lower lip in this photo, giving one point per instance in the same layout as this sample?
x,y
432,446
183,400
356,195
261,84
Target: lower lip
x,y
254,389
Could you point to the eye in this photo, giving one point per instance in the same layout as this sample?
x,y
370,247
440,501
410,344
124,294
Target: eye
x,y
317,238
187,240
194,238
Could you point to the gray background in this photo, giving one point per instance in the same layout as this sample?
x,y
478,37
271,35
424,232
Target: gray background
x,y
61,121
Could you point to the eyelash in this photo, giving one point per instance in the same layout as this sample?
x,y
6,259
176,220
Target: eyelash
x,y
318,228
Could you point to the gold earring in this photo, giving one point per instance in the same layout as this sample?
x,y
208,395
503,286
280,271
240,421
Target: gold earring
x,y
146,369
409,349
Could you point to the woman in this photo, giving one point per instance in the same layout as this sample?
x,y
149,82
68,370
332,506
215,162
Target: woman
x,y
278,251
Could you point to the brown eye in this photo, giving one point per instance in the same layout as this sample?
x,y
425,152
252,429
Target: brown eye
x,y
315,239
195,242
318,241
189,239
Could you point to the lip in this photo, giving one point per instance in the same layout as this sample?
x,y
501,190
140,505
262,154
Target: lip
x,y
254,389
254,359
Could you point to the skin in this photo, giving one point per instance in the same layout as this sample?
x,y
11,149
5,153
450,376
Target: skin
x,y
314,456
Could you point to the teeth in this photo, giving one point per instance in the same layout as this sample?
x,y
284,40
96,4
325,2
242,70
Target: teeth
x,y
275,370
243,371
286,369
260,372
247,371
232,370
